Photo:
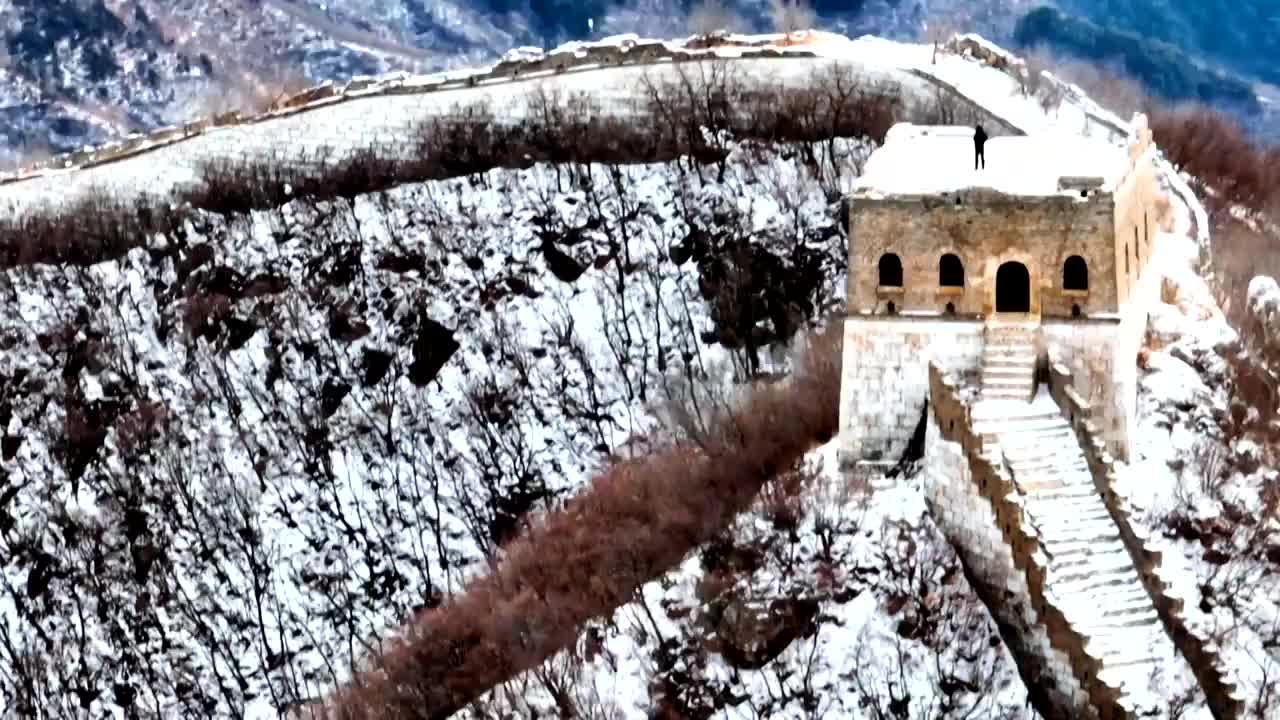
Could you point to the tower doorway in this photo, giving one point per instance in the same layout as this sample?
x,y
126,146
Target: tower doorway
x,y
1013,288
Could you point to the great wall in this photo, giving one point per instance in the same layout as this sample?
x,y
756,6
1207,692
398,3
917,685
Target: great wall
x,y
1036,452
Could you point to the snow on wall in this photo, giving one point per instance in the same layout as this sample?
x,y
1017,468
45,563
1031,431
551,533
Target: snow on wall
x,y
966,518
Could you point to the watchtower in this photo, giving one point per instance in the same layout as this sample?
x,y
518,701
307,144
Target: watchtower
x,y
1050,239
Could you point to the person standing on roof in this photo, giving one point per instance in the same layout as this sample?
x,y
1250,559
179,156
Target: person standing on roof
x,y
979,147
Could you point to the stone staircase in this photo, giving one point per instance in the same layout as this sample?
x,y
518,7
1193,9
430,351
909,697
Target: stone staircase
x,y
1009,360
1090,576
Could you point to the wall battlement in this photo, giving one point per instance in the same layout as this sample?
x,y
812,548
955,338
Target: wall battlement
x,y
524,65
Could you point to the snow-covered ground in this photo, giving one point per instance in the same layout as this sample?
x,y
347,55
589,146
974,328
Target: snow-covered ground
x,y
322,416
233,458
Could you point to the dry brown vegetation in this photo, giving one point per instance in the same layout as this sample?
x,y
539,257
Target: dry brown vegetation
x,y
636,521
694,116
94,227
691,118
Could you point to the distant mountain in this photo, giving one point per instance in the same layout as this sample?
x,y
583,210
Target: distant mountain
x,y
1240,35
1167,71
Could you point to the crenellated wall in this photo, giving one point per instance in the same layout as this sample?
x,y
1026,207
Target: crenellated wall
x,y
969,523
1202,655
997,485
574,57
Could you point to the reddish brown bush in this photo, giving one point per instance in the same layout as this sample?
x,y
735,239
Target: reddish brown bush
x,y
93,228
674,118
1219,153
635,522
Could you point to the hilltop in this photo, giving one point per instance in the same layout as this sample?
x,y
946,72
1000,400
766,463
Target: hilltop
x,y
275,387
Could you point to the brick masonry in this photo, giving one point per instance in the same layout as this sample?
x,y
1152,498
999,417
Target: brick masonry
x,y
886,379
969,523
984,230
1097,331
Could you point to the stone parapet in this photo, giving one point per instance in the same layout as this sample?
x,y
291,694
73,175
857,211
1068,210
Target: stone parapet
x,y
571,58
997,485
1222,694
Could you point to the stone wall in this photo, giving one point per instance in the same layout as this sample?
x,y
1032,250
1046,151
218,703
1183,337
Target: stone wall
x,y
572,57
1136,226
1089,350
885,380
996,485
1221,693
969,524
1102,356
984,229
328,124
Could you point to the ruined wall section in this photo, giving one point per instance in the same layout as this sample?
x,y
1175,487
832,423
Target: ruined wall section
x,y
885,381
970,525
1221,692
984,229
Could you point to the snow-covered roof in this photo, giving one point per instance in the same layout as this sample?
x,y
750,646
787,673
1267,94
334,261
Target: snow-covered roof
x,y
928,160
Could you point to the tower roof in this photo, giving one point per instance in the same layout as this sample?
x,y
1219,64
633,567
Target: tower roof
x,y
931,160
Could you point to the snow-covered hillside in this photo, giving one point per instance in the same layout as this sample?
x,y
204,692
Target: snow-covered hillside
x,y
236,456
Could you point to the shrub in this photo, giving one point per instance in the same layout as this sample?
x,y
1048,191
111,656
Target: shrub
x,y
95,227
636,521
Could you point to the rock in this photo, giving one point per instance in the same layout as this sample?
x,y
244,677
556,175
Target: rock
x,y
345,328
1173,381
432,348
9,446
1216,557
374,366
561,264
408,262
749,637
331,396
1165,326
1248,456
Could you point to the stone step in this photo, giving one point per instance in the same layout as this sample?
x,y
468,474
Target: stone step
x,y
1091,584
1092,523
1064,546
1011,368
1022,382
1009,353
1012,427
1069,504
1030,472
1031,488
1056,476
1069,562
1032,458
1092,564
1007,394
1142,617
1067,491
1121,648
1029,456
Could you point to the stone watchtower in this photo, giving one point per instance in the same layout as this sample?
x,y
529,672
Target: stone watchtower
x,y
1045,247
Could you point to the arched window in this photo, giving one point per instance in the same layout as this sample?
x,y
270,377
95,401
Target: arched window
x,y
890,270
950,271
1075,274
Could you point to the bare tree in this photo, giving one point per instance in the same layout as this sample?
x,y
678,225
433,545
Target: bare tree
x,y
791,16
708,16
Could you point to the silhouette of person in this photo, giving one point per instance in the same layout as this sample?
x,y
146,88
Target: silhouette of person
x,y
979,147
